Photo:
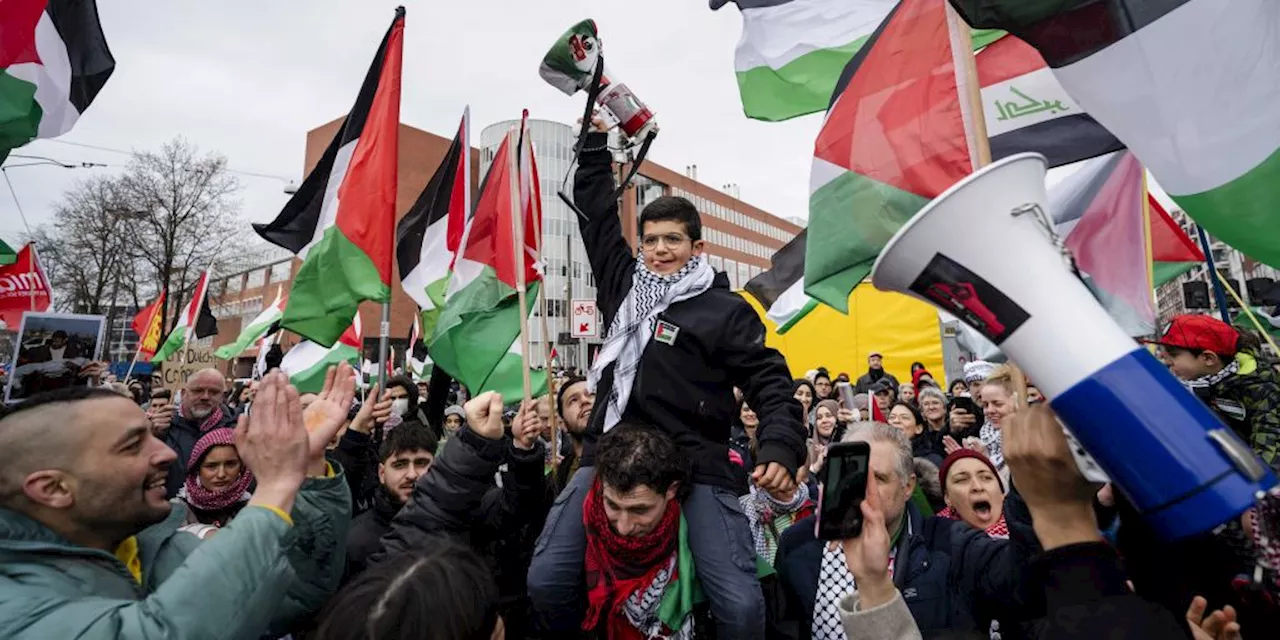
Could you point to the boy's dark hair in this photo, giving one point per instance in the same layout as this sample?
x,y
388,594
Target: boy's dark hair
x,y
633,455
161,393
440,591
66,394
673,208
407,436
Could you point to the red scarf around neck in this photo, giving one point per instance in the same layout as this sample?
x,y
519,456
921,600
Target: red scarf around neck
x,y
998,529
210,421
617,565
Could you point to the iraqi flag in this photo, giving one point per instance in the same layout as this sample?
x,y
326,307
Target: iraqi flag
x,y
149,325
1200,117
1027,110
780,288
341,222
476,339
894,138
266,322
307,362
53,62
428,237
196,322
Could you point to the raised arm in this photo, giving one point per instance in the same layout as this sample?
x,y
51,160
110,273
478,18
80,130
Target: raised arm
x,y
610,256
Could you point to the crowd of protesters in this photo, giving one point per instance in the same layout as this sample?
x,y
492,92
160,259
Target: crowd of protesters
x,y
670,493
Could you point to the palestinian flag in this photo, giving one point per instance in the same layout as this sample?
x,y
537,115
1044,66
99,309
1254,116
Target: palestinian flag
x,y
792,51
894,138
476,339
780,289
7,254
417,360
196,321
307,362
1268,318
1199,117
341,220
149,325
1027,110
1098,211
1172,252
267,322
428,237
53,62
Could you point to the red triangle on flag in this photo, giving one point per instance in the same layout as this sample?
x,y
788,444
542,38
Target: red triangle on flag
x,y
1168,241
876,413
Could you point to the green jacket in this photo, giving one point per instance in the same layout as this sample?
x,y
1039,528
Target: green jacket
x,y
257,576
1249,402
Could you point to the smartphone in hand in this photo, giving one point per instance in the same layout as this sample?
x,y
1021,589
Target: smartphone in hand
x,y
842,487
846,396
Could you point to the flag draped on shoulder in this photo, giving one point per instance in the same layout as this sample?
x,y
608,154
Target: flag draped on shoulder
x,y
149,325
53,62
791,52
341,221
476,336
196,322
307,362
1129,64
780,288
894,138
428,237
266,322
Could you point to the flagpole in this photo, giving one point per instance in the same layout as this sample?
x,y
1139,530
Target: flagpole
x,y
1215,280
970,88
138,351
384,335
1146,236
34,269
546,332
1249,313
517,247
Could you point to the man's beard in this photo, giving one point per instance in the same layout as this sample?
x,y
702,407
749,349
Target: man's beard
x,y
120,511
200,413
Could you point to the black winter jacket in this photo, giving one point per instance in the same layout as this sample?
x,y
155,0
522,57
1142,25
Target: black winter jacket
x,y
952,576
358,455
364,539
686,388
459,498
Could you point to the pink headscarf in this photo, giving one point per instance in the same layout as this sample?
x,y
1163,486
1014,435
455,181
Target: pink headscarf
x,y
202,498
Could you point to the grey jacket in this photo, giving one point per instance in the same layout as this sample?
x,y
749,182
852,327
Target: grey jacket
x,y
889,621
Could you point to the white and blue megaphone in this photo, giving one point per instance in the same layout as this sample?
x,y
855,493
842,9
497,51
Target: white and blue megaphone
x,y
983,251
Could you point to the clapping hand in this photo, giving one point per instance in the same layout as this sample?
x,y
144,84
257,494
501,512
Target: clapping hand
x,y
328,412
1219,625
376,409
274,444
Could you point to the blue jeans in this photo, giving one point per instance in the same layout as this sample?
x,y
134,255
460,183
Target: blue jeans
x,y
724,558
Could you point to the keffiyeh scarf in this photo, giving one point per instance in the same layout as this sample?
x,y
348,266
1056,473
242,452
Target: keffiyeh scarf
x,y
999,529
1204,382
834,583
210,421
634,324
990,436
768,517
204,499
627,576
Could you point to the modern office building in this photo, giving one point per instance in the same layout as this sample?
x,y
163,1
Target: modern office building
x,y
740,240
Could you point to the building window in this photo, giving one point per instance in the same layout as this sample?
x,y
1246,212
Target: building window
x,y
280,271
255,279
233,284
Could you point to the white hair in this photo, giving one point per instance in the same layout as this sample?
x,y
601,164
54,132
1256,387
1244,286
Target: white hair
x,y
869,432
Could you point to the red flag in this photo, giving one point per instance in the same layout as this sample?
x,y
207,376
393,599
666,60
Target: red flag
x,y
23,287
149,326
876,413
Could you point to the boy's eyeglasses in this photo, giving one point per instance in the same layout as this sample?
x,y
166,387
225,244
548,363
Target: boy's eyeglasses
x,y
669,240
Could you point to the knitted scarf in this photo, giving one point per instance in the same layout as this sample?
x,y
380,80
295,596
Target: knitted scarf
x,y
990,436
210,421
1205,382
768,517
998,529
202,498
634,324
626,576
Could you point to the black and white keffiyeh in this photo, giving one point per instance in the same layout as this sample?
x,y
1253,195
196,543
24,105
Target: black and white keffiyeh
x,y
634,324
1204,382
990,436
642,608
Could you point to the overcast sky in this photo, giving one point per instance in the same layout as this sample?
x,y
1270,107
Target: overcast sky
x,y
249,79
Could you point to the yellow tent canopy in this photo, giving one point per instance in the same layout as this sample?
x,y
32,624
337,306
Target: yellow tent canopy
x,y
903,329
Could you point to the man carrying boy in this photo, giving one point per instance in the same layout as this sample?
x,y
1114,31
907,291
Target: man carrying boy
x,y
679,341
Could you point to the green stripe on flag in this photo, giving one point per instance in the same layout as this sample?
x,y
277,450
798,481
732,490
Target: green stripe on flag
x,y
334,279
1237,210
851,219
474,335
798,316
1166,272
7,254
311,380
19,113
177,338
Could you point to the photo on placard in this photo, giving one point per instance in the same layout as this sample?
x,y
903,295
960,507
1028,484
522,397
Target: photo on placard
x,y
50,352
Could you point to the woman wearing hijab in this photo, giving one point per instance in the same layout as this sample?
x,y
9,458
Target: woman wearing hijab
x,y
217,483
807,396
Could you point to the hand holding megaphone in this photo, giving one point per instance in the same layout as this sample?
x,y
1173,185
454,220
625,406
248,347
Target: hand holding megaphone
x,y
575,63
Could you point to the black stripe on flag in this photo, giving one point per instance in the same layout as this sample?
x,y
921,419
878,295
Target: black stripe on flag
x,y
1066,31
1062,140
432,205
76,22
206,324
863,52
296,225
786,270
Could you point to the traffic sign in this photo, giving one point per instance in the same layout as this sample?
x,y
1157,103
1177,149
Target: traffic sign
x,y
585,322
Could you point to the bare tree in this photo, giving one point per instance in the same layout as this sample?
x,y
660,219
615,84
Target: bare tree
x,y
85,248
185,209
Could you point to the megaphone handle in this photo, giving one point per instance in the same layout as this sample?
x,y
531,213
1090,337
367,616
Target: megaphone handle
x,y
635,165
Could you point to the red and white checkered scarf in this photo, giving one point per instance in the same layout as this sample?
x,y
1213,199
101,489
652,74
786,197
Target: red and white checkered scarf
x,y
1000,529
